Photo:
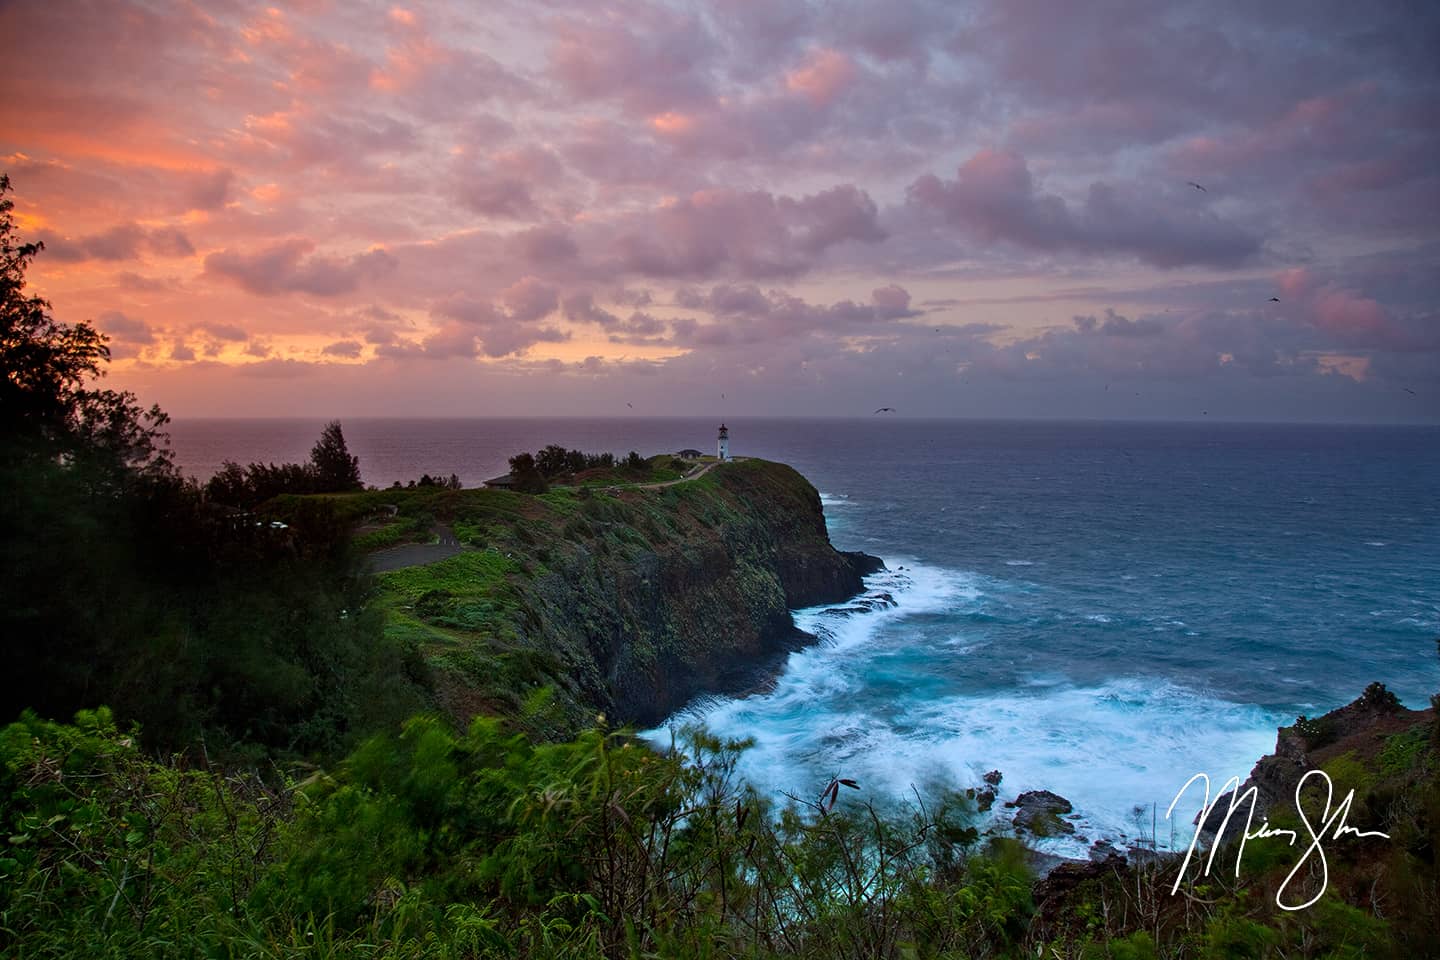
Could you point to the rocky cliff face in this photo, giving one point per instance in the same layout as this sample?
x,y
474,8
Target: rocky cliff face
x,y
702,606
1358,729
627,601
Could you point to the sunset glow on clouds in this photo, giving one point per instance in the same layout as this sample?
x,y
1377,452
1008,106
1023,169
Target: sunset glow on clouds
x,y
980,209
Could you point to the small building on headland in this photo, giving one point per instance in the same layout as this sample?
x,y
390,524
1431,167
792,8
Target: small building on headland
x,y
506,482
689,453
722,444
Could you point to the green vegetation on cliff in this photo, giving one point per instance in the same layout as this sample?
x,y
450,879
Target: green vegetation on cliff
x,y
626,601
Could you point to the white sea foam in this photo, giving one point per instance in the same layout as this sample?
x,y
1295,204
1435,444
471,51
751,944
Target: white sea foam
x,y
1106,746
834,499
1019,563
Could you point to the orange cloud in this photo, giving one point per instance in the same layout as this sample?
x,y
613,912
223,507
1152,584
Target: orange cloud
x,y
672,124
823,77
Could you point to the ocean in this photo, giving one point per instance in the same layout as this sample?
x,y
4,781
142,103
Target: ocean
x,y
1097,609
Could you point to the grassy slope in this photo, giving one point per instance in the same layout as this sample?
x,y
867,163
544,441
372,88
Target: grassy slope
x,y
483,619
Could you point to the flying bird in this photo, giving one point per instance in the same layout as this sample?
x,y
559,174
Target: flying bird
x,y
886,410
1409,391
1274,299
630,405
1192,183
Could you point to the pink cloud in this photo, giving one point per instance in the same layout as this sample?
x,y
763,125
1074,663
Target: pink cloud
x,y
1353,320
290,267
747,233
823,77
652,61
530,299
477,326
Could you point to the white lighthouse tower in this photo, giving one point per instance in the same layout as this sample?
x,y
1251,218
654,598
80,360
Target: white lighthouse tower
x,y
722,445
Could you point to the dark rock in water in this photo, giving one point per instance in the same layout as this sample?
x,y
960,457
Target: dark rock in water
x,y
993,778
863,563
984,799
1039,812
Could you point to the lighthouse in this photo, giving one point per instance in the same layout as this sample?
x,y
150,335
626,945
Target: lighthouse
x,y
722,445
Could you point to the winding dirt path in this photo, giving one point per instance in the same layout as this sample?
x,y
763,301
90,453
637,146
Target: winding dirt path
x,y
694,474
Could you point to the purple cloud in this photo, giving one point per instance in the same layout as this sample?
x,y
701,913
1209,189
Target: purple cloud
x,y
745,233
286,268
995,197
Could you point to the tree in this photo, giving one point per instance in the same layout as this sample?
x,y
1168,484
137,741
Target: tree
x,y
43,364
552,461
335,470
45,408
528,478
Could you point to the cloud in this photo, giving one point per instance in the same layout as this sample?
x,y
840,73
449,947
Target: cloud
x,y
650,62
285,268
530,299
746,315
757,184
343,348
127,241
994,197
581,308
752,234
497,195
208,190
124,329
1350,319
1115,325
638,329
477,326
222,331
823,77
892,302
549,244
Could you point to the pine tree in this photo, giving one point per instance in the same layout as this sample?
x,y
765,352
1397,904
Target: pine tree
x,y
335,470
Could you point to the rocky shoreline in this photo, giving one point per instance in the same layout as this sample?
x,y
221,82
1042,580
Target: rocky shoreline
x,y
1361,727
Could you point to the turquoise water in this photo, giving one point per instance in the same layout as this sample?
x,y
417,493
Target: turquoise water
x,y
1101,610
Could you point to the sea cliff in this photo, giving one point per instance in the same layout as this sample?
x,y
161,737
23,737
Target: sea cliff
x,y
623,600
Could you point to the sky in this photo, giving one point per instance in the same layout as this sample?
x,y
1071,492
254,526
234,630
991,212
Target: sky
x,y
1020,208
